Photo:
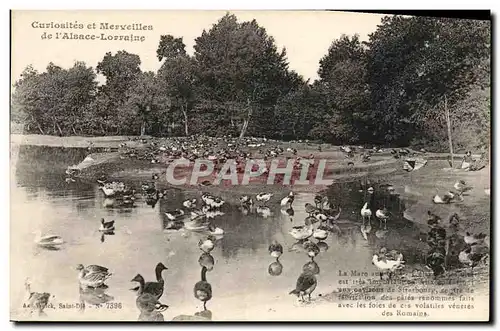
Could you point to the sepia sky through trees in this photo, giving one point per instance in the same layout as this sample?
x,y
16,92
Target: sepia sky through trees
x,y
306,35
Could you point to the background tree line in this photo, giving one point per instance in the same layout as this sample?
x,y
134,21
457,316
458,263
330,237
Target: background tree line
x,y
388,90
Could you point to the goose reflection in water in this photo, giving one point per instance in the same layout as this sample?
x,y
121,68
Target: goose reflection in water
x,y
106,233
151,202
206,261
150,308
275,250
311,267
93,296
202,289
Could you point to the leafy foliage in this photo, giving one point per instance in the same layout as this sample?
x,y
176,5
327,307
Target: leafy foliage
x,y
387,90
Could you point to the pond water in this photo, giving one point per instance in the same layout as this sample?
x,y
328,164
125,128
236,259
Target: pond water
x,y
241,282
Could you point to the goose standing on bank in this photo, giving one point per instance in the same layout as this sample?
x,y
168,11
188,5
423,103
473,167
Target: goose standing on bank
x,y
153,288
382,215
366,212
306,284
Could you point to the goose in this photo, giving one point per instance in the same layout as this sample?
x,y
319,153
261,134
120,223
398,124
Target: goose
x,y
246,200
70,180
202,289
189,203
206,260
311,267
92,268
153,288
275,249
382,215
108,191
435,261
36,301
462,187
47,240
318,199
445,199
302,232
214,230
473,239
433,218
388,265
366,212
288,200
306,284
91,278
311,249
265,212
208,244
320,216
107,226
310,208
175,214
263,197
321,233
470,258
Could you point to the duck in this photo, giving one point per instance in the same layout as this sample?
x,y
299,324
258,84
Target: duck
x,y
311,249
321,233
263,197
36,301
47,240
288,200
208,244
462,187
310,209
107,226
382,215
154,288
202,289
387,265
445,199
89,278
306,284
435,261
214,230
366,212
302,232
433,219
245,200
473,239
275,249
206,260
189,203
175,214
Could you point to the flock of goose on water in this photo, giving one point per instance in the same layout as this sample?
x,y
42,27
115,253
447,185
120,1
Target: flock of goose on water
x,y
199,214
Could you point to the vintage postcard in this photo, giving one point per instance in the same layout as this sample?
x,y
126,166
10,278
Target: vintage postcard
x,y
249,166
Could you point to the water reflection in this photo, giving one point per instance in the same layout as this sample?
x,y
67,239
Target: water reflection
x,y
93,296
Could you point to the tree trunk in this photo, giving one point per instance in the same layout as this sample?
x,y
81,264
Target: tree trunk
x,y
40,128
184,112
247,120
143,128
448,124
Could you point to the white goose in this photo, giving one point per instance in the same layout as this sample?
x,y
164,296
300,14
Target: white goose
x,y
388,265
47,240
366,212
382,215
302,232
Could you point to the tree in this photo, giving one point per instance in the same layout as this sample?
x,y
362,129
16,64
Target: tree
x,y
178,76
343,82
241,65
